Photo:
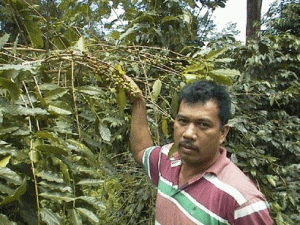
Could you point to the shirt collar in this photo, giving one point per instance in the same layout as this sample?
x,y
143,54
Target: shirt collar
x,y
217,167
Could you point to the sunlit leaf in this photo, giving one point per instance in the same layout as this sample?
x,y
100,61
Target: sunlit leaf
x,y
63,167
35,33
172,150
75,218
121,100
61,108
47,175
156,90
80,44
90,182
4,40
164,127
89,214
56,186
10,176
52,149
80,147
93,201
58,197
5,221
271,180
215,53
4,161
194,67
90,90
104,132
56,93
49,217
16,195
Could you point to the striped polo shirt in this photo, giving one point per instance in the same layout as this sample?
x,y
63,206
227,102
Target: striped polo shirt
x,y
223,194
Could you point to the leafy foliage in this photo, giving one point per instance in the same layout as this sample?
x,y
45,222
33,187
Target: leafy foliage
x,y
64,118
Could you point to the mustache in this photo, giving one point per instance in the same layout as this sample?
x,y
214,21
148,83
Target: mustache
x,y
188,144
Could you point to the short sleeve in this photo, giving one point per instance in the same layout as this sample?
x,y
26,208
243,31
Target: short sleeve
x,y
256,213
151,160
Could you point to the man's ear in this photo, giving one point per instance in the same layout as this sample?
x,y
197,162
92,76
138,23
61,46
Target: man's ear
x,y
224,131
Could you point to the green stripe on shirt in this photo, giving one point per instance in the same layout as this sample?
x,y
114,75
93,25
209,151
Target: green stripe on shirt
x,y
187,206
146,160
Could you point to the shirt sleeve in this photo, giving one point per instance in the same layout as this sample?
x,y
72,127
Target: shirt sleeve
x,y
256,213
151,161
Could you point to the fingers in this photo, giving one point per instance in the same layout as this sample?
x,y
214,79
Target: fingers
x,y
135,91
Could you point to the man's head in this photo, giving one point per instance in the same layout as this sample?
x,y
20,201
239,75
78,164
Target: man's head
x,y
204,91
200,126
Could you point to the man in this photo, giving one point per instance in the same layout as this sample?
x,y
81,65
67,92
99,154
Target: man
x,y
198,184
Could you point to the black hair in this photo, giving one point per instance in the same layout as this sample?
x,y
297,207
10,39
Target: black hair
x,y
203,91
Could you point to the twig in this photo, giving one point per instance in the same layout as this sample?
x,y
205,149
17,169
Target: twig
x,y
74,98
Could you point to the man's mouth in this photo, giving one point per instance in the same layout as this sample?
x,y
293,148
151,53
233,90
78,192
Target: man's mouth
x,y
187,145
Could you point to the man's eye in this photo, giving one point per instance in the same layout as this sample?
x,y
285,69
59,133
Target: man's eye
x,y
182,121
203,125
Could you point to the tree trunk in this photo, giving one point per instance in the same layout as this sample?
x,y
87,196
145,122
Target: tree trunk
x,y
253,18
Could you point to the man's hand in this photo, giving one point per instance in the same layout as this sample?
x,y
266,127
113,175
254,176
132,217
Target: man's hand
x,y
135,92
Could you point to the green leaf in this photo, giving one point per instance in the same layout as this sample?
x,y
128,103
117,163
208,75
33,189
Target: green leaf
x,y
170,19
10,176
23,67
49,176
172,150
12,87
4,40
91,182
59,107
271,180
57,197
56,93
215,53
115,35
20,110
174,104
80,147
156,90
16,195
121,100
63,167
226,72
263,48
194,67
89,90
80,44
5,221
50,217
75,218
4,161
8,130
164,127
35,33
52,149
93,201
5,189
47,135
104,132
55,186
89,214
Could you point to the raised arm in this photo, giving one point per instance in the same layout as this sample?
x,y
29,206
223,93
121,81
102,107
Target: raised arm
x,y
140,137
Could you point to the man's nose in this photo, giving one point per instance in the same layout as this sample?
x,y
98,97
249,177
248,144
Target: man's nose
x,y
190,132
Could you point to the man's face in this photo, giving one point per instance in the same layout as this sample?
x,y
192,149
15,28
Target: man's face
x,y
198,133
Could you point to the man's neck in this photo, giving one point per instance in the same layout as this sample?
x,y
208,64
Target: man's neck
x,y
189,172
